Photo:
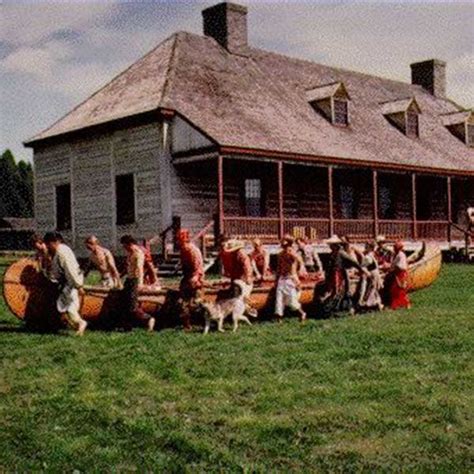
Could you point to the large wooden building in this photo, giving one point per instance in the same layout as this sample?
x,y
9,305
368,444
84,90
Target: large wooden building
x,y
224,137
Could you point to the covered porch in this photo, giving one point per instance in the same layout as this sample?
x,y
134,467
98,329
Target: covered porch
x,y
265,198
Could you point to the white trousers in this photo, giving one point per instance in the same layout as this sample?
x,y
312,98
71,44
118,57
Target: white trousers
x,y
69,303
287,296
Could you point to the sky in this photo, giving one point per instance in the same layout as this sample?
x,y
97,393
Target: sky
x,y
53,55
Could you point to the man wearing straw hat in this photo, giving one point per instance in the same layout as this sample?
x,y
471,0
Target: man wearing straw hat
x,y
237,266
383,254
288,290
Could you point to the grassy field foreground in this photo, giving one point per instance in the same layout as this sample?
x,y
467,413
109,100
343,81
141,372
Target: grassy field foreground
x,y
390,391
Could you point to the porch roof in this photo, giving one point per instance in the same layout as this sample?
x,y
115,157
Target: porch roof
x,y
258,101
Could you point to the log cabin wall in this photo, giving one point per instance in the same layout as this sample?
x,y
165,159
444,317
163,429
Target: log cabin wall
x,y
463,197
194,193
305,192
235,174
52,167
431,198
92,201
352,194
394,196
138,150
90,166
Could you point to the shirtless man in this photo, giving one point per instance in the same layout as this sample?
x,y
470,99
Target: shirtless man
x,y
288,289
102,259
133,282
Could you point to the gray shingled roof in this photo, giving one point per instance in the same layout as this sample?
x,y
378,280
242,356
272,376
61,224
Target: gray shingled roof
x,y
258,101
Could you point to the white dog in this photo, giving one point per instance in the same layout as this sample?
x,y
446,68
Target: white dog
x,y
221,309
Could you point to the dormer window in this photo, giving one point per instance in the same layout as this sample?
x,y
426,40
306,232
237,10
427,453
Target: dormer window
x,y
470,134
331,102
461,125
341,112
412,124
403,115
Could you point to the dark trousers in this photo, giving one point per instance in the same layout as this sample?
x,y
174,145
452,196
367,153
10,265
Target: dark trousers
x,y
133,315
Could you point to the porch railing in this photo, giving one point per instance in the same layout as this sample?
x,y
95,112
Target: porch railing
x,y
432,230
268,228
356,229
265,228
396,229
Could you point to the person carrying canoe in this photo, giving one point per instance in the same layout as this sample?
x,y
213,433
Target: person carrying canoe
x,y
369,285
66,273
310,257
150,276
190,287
383,254
102,259
288,290
42,256
260,260
336,297
133,282
396,281
237,266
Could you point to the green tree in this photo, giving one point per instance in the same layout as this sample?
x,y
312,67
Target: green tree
x,y
16,187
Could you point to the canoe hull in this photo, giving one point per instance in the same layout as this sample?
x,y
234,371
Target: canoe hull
x,y
30,296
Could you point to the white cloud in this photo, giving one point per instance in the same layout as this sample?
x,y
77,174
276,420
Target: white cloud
x,y
60,52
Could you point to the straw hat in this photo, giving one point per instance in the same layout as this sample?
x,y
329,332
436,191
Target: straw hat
x,y
233,245
334,240
380,239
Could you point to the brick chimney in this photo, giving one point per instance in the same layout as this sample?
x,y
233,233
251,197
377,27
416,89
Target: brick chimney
x,y
431,75
227,23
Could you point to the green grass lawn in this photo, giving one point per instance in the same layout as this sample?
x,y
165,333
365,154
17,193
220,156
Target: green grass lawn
x,y
381,392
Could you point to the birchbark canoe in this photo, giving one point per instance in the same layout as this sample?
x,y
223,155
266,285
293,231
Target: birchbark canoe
x,y
30,296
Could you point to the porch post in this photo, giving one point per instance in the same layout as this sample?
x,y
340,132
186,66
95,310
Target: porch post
x,y
280,200
449,205
413,204
375,202
220,193
331,201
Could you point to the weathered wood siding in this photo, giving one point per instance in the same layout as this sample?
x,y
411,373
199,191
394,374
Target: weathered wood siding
x,y
52,167
90,166
194,193
184,137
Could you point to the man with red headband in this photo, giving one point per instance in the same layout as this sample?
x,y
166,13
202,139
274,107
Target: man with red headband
x,y
396,281
193,276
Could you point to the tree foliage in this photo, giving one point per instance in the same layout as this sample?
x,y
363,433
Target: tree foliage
x,y
16,187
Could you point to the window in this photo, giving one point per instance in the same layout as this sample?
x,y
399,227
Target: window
x,y
412,124
253,197
341,112
63,207
125,199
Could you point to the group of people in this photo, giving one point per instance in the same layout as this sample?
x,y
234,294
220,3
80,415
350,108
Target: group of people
x,y
297,263
59,264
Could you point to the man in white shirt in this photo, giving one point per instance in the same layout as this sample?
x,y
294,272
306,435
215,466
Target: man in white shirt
x,y
66,273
